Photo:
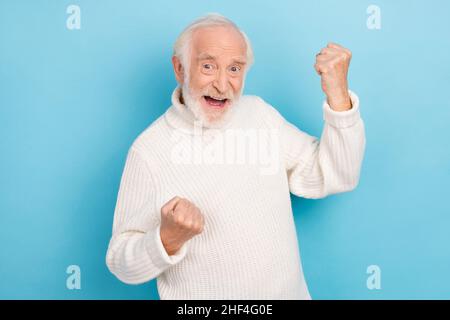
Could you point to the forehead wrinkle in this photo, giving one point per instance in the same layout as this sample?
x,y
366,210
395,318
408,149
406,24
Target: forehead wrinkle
x,y
207,56
202,40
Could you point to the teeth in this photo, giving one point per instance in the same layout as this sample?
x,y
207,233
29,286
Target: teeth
x,y
217,98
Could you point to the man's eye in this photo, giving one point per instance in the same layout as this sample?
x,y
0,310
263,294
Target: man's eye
x,y
235,69
208,66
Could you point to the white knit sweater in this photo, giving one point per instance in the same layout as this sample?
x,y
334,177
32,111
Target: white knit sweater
x,y
248,248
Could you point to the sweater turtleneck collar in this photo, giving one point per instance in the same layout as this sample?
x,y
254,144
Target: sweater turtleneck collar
x,y
180,117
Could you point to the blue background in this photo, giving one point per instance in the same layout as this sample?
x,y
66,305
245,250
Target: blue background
x,y
72,102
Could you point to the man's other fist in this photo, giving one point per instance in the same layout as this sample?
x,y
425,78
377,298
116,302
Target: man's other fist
x,y
332,63
180,221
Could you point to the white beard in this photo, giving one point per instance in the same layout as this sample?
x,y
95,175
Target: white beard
x,y
198,110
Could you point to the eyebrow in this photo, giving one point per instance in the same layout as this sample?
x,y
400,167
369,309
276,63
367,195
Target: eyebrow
x,y
207,56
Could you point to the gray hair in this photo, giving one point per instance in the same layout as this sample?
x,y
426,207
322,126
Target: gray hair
x,y
182,46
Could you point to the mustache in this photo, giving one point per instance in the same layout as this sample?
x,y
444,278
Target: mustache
x,y
229,96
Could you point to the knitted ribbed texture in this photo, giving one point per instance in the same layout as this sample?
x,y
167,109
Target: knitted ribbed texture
x,y
249,247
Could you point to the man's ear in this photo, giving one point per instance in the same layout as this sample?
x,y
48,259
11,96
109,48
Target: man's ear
x,y
178,69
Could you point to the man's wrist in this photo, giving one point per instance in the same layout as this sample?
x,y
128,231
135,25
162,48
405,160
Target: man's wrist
x,y
171,249
340,103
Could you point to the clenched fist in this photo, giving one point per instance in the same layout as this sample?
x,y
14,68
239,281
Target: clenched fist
x,y
180,221
332,64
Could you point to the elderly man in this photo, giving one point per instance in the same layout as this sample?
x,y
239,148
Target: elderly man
x,y
203,204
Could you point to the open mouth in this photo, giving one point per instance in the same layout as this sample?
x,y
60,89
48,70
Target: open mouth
x,y
215,102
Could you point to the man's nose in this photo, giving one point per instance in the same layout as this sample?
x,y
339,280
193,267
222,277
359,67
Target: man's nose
x,y
221,82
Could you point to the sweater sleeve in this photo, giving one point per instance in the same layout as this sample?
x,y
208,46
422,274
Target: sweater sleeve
x,y
317,168
135,253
